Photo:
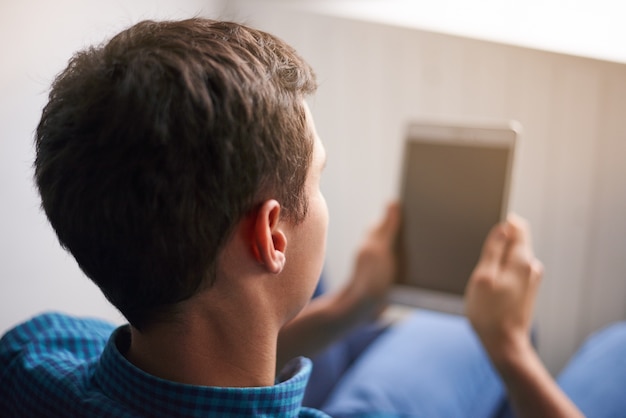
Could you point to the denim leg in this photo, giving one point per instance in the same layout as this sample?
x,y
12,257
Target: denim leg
x,y
595,378
429,365
330,365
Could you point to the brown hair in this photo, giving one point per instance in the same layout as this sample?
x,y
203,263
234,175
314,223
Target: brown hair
x,y
153,146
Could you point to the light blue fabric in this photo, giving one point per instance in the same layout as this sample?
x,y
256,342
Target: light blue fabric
x,y
332,363
430,365
595,378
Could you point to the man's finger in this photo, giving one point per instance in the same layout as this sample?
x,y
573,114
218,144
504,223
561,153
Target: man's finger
x,y
520,232
520,251
388,228
495,247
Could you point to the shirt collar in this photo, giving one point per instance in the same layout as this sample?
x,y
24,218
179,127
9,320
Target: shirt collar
x,y
148,395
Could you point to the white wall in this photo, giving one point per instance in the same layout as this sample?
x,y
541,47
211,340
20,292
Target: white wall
x,y
37,37
569,175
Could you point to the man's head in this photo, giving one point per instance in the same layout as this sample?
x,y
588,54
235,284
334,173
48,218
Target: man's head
x,y
153,146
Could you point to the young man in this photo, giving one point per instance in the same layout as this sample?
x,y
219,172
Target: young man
x,y
180,166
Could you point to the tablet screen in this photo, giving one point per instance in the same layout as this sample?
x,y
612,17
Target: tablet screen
x,y
453,194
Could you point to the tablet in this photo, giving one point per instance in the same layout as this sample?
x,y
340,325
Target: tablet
x,y
455,186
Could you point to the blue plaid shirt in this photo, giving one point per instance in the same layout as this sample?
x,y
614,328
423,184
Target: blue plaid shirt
x,y
55,365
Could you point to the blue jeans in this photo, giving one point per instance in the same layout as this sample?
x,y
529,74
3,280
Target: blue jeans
x,y
595,378
432,365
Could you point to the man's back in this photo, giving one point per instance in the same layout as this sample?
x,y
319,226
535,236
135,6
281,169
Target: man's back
x,y
59,366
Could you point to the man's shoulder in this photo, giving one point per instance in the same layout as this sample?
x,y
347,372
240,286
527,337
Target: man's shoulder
x,y
49,356
53,332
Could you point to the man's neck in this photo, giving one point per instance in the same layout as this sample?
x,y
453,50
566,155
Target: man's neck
x,y
208,351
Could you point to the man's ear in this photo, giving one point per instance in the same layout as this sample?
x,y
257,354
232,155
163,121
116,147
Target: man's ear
x,y
270,241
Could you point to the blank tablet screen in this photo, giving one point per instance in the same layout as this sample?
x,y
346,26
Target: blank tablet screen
x,y
453,194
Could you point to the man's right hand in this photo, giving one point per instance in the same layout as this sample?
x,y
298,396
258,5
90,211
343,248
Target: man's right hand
x,y
499,302
501,292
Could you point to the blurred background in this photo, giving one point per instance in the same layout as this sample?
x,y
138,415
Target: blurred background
x,y
558,67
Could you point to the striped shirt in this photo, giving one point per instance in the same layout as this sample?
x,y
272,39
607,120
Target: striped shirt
x,y
56,365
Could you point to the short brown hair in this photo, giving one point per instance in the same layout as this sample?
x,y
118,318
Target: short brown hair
x,y
154,145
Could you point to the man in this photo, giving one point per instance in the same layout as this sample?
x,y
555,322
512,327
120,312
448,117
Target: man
x,y
180,166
